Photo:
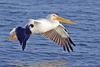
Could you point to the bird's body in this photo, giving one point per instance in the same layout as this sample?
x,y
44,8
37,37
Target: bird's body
x,y
42,25
51,28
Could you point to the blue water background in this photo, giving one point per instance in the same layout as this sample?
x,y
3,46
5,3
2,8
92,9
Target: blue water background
x,y
85,34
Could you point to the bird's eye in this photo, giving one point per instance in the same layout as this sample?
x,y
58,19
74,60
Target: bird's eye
x,y
54,15
31,25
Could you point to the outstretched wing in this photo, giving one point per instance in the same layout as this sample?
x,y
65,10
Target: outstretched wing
x,y
61,37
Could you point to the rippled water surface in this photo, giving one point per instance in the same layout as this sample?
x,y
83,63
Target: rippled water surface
x,y
41,52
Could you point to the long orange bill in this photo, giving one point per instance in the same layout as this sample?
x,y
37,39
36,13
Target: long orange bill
x,y
60,19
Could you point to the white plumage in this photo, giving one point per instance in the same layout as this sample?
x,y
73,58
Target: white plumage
x,y
42,25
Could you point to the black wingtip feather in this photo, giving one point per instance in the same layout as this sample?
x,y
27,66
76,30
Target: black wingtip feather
x,y
69,44
71,41
66,46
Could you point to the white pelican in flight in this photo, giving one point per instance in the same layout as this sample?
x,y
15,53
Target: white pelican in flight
x,y
49,27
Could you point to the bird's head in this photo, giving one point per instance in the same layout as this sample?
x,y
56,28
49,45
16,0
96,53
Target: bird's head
x,y
33,25
56,17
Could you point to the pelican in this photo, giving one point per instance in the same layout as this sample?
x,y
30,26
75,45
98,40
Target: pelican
x,y
49,27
